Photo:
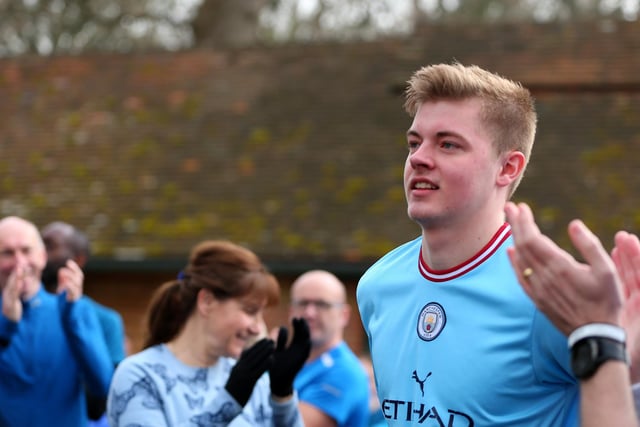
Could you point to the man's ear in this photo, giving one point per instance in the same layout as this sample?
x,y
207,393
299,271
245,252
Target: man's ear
x,y
513,165
41,259
346,314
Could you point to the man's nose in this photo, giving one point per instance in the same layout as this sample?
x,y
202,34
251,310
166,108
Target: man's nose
x,y
423,156
21,260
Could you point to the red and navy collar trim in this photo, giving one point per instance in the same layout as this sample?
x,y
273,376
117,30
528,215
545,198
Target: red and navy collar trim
x,y
489,249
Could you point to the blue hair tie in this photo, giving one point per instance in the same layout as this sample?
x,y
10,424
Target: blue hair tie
x,y
181,275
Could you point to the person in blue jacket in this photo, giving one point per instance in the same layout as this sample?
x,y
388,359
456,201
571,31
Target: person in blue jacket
x,y
63,242
50,345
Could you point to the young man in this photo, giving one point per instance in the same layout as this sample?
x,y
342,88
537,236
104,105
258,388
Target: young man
x,y
50,345
454,340
586,301
332,386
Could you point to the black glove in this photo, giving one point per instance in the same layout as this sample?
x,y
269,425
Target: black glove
x,y
287,362
253,362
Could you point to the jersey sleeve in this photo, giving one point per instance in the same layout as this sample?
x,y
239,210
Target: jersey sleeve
x,y
8,361
550,352
85,338
7,329
333,395
112,327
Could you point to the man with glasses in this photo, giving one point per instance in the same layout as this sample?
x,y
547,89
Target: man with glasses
x,y
332,387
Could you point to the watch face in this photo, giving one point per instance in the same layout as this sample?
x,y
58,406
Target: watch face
x,y
583,358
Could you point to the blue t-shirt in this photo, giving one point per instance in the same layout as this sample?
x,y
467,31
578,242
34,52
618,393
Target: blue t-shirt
x,y
465,346
337,384
376,419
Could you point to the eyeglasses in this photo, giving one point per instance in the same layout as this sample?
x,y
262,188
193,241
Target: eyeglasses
x,y
320,305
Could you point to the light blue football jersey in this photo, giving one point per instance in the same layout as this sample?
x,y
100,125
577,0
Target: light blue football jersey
x,y
463,347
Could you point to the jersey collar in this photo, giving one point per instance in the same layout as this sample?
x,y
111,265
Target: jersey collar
x,y
489,249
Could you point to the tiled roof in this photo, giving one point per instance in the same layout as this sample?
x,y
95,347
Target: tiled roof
x,y
298,151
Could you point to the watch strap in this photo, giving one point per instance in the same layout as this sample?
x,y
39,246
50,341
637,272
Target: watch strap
x,y
603,330
599,350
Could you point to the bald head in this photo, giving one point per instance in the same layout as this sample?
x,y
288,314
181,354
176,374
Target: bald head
x,y
12,224
321,299
21,248
323,283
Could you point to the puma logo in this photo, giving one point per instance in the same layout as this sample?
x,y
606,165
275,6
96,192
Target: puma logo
x,y
419,381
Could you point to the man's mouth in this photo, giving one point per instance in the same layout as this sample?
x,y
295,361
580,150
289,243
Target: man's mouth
x,y
425,186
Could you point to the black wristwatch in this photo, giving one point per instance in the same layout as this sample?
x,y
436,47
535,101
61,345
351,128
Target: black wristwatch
x,y
589,353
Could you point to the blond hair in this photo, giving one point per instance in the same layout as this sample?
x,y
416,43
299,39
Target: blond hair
x,y
508,109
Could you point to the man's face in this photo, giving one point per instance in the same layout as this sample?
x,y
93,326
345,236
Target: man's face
x,y
58,253
450,172
323,306
21,249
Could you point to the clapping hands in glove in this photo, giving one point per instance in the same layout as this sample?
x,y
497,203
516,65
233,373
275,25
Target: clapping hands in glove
x,y
283,363
287,361
253,362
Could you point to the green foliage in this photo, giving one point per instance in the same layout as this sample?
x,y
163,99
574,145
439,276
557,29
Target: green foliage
x,y
351,189
47,27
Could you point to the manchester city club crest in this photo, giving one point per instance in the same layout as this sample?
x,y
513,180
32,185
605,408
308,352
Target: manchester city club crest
x,y
431,321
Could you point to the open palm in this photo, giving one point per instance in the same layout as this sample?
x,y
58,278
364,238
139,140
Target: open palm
x,y
626,256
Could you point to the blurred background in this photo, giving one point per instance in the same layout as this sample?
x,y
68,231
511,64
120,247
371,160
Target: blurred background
x,y
154,124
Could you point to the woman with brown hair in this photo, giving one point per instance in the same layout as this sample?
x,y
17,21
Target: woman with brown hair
x,y
198,325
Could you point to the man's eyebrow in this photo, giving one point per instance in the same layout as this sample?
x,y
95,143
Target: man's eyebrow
x,y
448,133
440,134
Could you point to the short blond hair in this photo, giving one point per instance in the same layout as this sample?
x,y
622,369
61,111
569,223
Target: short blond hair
x,y
508,108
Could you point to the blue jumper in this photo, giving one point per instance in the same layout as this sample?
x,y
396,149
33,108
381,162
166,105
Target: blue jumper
x,y
46,359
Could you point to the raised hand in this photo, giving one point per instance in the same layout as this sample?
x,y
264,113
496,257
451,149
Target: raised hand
x,y
569,292
71,279
626,256
289,360
12,294
253,362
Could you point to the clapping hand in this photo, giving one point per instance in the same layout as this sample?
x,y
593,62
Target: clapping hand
x,y
12,294
287,361
70,279
569,292
253,362
626,256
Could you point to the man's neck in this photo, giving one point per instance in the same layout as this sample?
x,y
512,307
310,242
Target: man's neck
x,y
447,247
31,290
